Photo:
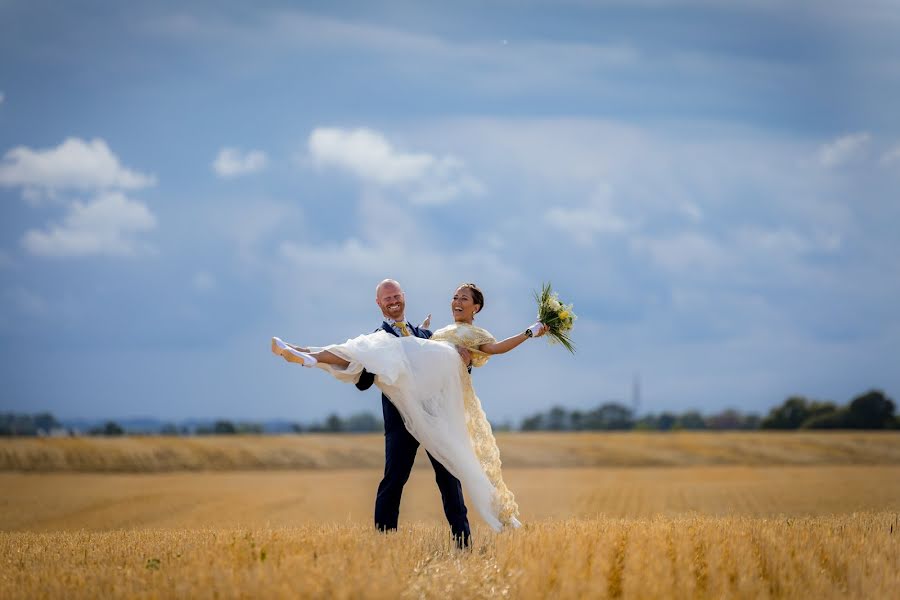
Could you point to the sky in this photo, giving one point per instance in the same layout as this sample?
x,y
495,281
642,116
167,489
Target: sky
x,y
712,185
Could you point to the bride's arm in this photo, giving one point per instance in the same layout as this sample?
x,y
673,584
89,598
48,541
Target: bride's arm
x,y
511,342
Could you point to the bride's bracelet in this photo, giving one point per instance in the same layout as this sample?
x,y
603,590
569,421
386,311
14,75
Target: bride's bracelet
x,y
533,330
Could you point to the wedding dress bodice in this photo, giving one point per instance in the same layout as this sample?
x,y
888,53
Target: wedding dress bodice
x,y
468,336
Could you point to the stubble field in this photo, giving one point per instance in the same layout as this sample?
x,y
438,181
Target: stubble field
x,y
702,515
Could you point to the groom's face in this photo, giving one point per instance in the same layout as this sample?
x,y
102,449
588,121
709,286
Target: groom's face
x,y
392,301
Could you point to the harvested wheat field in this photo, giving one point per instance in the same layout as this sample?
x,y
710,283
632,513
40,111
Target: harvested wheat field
x,y
856,556
704,515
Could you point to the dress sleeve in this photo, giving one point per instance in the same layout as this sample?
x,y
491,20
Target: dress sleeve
x,y
480,336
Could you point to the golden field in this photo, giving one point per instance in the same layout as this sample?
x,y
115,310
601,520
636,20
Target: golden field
x,y
751,515
626,449
848,556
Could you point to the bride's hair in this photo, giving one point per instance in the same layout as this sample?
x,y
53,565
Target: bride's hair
x,y
477,294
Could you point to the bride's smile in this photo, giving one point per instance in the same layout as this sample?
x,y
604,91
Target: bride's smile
x,y
463,306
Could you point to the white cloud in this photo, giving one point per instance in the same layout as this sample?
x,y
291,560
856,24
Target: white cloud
x,y
844,150
231,163
367,154
103,226
583,223
74,164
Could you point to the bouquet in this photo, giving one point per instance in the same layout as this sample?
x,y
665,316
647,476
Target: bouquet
x,y
558,317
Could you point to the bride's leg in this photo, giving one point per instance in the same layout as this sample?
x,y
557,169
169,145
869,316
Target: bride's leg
x,y
324,356
302,356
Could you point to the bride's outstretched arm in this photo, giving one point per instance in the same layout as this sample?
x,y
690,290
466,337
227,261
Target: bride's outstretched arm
x,y
501,347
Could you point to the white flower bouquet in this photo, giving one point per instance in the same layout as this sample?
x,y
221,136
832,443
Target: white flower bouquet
x,y
558,317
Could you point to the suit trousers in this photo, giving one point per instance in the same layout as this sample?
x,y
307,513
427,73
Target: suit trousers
x,y
400,449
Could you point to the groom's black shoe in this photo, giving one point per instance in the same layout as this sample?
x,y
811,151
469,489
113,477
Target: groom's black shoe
x,y
463,541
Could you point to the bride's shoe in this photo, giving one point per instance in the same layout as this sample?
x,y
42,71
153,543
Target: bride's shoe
x,y
291,355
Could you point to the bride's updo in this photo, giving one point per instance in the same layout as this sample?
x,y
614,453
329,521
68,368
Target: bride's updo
x,y
477,294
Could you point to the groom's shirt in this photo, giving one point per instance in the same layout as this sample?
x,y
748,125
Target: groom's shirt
x,y
395,325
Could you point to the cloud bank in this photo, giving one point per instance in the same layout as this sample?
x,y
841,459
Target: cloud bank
x,y
106,224
425,178
74,164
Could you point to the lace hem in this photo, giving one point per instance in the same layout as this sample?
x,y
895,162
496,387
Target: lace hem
x,y
485,446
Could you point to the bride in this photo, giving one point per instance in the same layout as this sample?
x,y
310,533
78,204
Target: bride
x,y
432,389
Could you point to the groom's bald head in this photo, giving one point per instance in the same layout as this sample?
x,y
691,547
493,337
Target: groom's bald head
x,y
387,282
390,299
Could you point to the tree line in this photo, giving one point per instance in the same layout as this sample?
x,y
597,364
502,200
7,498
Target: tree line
x,y
870,410
46,424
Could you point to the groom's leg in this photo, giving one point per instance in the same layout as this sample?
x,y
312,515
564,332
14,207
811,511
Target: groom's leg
x,y
399,455
454,505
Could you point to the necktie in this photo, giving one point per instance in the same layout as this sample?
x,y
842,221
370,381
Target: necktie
x,y
404,332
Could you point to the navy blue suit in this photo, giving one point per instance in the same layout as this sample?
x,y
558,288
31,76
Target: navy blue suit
x,y
399,455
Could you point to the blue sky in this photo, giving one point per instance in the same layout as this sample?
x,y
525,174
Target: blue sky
x,y
713,185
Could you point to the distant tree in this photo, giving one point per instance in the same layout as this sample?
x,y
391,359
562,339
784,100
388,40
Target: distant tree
x,y
666,421
15,424
110,428
333,424
751,421
793,412
252,428
532,423
168,429
576,420
725,420
649,422
836,418
362,422
872,410
609,416
223,427
557,419
691,421
45,422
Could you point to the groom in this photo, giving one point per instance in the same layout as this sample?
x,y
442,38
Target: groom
x,y
399,445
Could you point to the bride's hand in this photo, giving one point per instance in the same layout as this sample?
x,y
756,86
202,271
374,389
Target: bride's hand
x,y
541,329
426,323
465,355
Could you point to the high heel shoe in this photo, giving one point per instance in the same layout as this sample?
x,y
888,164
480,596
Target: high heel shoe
x,y
292,355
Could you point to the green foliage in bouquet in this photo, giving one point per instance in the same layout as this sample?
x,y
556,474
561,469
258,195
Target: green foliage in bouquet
x,y
557,316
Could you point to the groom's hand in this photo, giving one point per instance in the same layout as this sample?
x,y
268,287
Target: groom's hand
x,y
465,355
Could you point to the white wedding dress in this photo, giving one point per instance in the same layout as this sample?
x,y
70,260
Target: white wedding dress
x,y
429,385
